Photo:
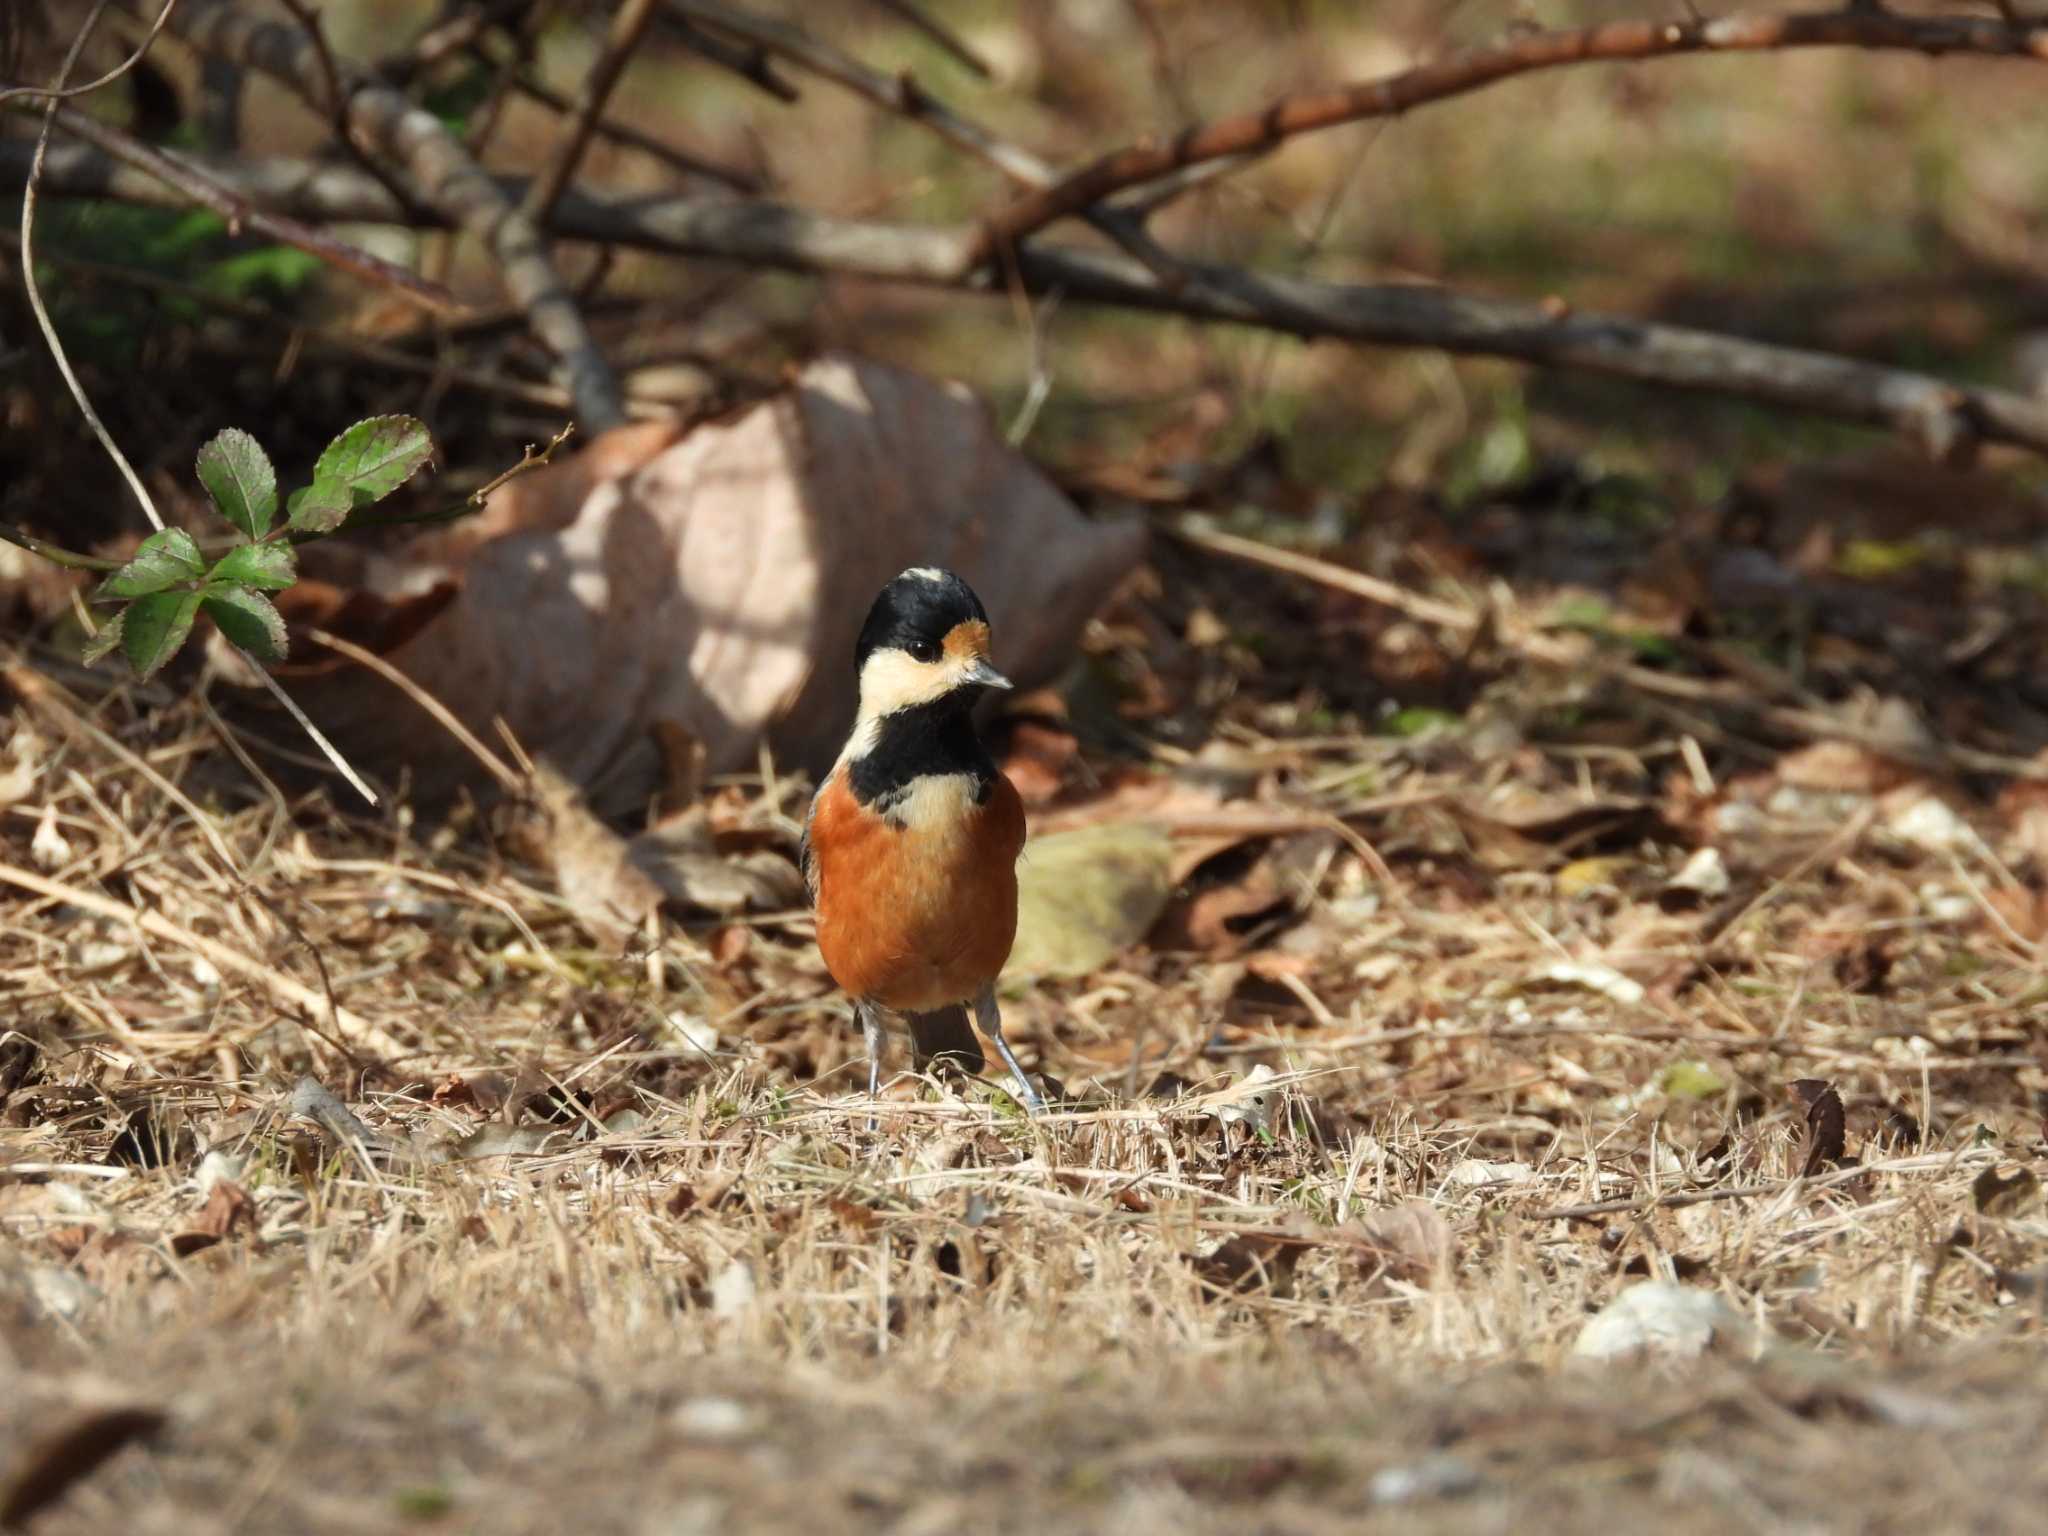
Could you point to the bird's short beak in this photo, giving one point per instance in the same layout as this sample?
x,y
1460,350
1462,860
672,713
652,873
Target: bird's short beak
x,y
983,675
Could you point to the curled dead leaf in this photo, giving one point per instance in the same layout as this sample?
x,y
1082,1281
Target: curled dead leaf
x,y
228,1206
718,583
1826,1125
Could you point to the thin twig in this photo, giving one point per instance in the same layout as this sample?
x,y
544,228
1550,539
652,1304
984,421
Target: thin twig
x,y
34,292
629,25
492,763
1844,1175
337,92
750,61
940,33
56,554
72,93
686,161
327,748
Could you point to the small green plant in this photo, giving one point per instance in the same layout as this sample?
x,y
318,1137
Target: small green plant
x,y
170,581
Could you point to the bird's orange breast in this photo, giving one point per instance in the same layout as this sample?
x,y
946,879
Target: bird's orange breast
x,y
917,909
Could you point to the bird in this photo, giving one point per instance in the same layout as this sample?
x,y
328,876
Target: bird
x,y
910,846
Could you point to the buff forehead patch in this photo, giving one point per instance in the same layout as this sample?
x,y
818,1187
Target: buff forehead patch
x,y
967,640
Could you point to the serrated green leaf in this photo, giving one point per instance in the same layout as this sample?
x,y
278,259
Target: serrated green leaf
x,y
161,560
366,463
154,627
238,476
320,507
248,620
271,567
100,644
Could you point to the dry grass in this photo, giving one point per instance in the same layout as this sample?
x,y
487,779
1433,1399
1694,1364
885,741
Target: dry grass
x,y
568,1268
566,1261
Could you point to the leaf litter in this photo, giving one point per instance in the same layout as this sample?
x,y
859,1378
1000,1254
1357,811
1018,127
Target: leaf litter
x,y
1445,1074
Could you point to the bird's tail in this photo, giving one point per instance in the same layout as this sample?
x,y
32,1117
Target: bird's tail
x,y
944,1038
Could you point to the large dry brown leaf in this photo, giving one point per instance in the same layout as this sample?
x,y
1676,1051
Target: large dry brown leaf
x,y
719,586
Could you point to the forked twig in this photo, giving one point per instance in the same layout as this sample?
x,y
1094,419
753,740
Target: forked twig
x,y
629,25
1290,116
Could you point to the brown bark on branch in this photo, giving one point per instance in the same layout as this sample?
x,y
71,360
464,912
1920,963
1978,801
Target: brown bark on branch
x,y
902,95
627,28
1256,132
241,214
442,175
1943,417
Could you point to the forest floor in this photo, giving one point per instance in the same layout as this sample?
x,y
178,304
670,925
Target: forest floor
x,y
1668,927
1431,1043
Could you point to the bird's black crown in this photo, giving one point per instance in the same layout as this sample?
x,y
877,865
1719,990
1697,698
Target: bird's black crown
x,y
915,613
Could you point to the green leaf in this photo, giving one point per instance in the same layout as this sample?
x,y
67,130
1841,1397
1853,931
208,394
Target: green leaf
x,y
319,508
248,620
366,463
1689,1080
162,560
103,642
154,627
237,475
271,566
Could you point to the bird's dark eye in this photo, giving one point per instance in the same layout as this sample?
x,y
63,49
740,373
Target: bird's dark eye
x,y
924,650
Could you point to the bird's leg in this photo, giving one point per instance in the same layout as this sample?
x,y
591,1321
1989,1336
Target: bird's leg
x,y
990,1018
871,1029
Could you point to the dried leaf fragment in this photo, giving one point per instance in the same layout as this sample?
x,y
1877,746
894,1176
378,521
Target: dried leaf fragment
x,y
2004,1194
1826,1125
227,1207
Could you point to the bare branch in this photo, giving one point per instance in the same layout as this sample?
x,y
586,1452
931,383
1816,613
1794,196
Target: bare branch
x,y
241,214
748,61
628,27
939,33
687,161
1255,132
1941,416
446,178
902,95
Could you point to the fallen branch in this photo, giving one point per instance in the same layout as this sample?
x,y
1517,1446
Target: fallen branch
x,y
444,176
1389,95
242,215
1946,419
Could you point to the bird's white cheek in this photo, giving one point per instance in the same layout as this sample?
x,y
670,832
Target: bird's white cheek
x,y
892,680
